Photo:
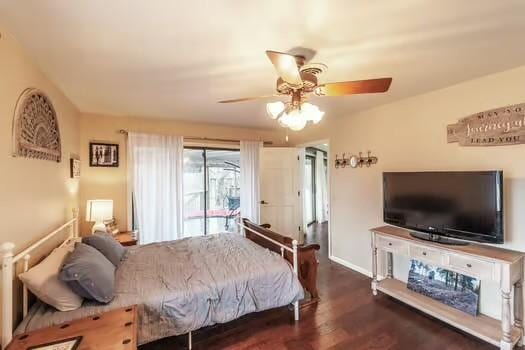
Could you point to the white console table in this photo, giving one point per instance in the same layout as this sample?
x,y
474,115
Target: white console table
x,y
481,261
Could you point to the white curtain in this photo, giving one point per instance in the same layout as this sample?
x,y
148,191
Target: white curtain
x,y
321,190
250,196
155,169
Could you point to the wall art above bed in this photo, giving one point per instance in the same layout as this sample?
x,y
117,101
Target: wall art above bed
x,y
35,127
495,127
103,154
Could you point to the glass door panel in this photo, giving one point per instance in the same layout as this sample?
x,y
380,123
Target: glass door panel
x,y
309,189
194,194
223,190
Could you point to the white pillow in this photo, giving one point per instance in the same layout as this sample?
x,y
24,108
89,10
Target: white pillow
x,y
42,280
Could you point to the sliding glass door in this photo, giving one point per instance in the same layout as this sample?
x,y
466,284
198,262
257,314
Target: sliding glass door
x,y
211,190
194,194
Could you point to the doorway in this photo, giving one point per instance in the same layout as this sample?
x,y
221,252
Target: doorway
x,y
316,195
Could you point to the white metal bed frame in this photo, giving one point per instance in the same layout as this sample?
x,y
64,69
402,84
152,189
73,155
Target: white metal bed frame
x,y
10,260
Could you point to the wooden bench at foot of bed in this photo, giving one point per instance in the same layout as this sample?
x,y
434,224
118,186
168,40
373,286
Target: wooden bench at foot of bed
x,y
307,261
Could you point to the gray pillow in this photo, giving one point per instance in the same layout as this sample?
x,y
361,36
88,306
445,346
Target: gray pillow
x,y
89,274
107,245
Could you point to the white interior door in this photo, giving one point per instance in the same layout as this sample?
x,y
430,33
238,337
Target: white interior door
x,y
281,183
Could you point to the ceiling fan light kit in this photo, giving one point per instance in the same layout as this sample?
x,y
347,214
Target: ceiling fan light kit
x,y
297,79
294,117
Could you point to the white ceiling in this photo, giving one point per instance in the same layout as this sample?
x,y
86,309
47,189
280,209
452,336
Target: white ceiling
x,y
175,59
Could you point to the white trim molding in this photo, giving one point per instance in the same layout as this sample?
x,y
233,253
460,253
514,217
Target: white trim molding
x,y
351,266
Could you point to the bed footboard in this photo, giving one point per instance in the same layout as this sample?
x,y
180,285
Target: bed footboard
x,y
306,258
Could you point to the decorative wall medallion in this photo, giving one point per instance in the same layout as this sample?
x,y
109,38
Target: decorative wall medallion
x,y
35,127
495,127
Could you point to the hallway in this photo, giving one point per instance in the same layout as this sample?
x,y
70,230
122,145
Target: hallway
x,y
318,233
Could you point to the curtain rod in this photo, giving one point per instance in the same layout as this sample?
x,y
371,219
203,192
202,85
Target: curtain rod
x,y
195,138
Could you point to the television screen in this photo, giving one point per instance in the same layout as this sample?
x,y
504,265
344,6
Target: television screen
x,y
464,205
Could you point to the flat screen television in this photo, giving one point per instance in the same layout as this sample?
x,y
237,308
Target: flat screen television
x,y
462,205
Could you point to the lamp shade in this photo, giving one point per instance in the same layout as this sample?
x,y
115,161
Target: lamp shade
x,y
274,109
99,210
311,112
294,120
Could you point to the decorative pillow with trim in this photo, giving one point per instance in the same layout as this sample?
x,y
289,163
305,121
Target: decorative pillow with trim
x,y
89,274
107,245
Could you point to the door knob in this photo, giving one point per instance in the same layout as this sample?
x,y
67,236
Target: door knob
x,y
264,202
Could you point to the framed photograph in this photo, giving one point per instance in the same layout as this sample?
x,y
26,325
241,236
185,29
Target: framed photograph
x,y
103,154
64,344
74,168
451,288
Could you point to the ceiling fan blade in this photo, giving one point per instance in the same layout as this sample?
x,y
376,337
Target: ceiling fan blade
x,y
286,67
354,87
244,99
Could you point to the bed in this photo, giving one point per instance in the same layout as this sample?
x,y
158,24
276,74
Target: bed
x,y
180,286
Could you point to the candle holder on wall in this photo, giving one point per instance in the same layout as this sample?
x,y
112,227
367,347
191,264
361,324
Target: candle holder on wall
x,y
341,162
355,161
368,160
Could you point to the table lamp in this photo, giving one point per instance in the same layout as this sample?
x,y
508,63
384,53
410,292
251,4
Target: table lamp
x,y
98,210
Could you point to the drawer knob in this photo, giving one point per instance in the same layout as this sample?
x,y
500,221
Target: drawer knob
x,y
389,243
469,265
425,253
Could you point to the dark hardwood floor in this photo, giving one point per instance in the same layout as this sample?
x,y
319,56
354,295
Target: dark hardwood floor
x,y
348,317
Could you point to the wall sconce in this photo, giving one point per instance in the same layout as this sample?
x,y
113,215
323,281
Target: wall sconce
x,y
368,160
355,161
341,162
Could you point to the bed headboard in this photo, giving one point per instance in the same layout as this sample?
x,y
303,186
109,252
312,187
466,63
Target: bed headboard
x,y
10,261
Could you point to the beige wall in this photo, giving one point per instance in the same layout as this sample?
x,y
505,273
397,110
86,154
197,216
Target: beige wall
x,y
110,183
35,195
411,135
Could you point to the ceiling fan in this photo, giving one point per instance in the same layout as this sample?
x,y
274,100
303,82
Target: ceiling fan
x,y
298,79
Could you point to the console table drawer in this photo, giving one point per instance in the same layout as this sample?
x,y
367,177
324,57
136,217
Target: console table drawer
x,y
392,245
472,267
422,253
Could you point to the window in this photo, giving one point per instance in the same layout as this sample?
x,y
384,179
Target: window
x,y
211,190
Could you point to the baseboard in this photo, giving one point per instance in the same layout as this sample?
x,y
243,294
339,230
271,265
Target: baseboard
x,y
351,266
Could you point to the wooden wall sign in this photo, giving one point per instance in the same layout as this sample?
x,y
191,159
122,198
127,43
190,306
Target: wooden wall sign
x,y
495,127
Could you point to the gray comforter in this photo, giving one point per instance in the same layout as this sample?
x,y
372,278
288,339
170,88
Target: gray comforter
x,y
187,284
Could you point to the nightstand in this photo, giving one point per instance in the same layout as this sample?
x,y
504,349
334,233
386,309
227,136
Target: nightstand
x,y
127,238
